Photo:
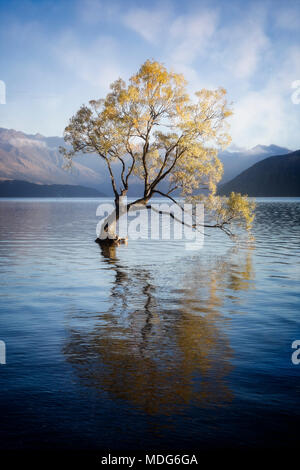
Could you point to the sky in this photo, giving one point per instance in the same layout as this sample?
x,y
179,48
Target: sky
x,y
57,55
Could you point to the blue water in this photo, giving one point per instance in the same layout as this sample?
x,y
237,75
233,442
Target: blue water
x,y
147,346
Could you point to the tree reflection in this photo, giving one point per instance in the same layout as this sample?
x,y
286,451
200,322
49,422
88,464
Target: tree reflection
x,y
159,359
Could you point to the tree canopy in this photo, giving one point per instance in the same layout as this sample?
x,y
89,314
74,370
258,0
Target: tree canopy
x,y
156,131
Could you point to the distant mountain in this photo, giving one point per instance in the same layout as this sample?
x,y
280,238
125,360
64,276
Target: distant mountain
x,y
277,176
236,161
15,188
36,159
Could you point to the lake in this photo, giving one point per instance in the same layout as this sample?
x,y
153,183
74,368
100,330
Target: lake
x,y
147,346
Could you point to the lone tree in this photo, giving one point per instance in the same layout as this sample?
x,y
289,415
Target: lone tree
x,y
155,131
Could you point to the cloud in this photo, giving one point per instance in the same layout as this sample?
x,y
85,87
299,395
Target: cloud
x,y
240,47
24,141
96,11
97,63
290,67
267,116
182,38
249,52
191,35
252,49
147,23
258,117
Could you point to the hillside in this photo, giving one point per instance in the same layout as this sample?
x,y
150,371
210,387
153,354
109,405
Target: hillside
x,y
277,176
236,161
36,158
17,188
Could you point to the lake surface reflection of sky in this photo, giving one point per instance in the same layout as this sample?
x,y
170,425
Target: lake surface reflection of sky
x,y
147,346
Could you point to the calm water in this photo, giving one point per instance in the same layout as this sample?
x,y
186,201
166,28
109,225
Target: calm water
x,y
150,346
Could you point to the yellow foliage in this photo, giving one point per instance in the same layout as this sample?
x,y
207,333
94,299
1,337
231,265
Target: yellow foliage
x,y
157,131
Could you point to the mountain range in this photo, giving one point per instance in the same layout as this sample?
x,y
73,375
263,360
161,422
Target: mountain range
x,y
238,160
36,159
274,176
15,188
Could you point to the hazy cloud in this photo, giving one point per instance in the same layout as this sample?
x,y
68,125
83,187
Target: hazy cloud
x,y
147,23
97,63
191,34
53,64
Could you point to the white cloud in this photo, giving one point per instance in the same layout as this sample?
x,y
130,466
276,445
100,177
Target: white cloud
x,y
147,23
266,117
96,63
240,48
258,118
190,35
252,51
290,68
249,52
24,141
210,52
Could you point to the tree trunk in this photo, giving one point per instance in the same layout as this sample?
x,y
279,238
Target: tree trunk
x,y
108,233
